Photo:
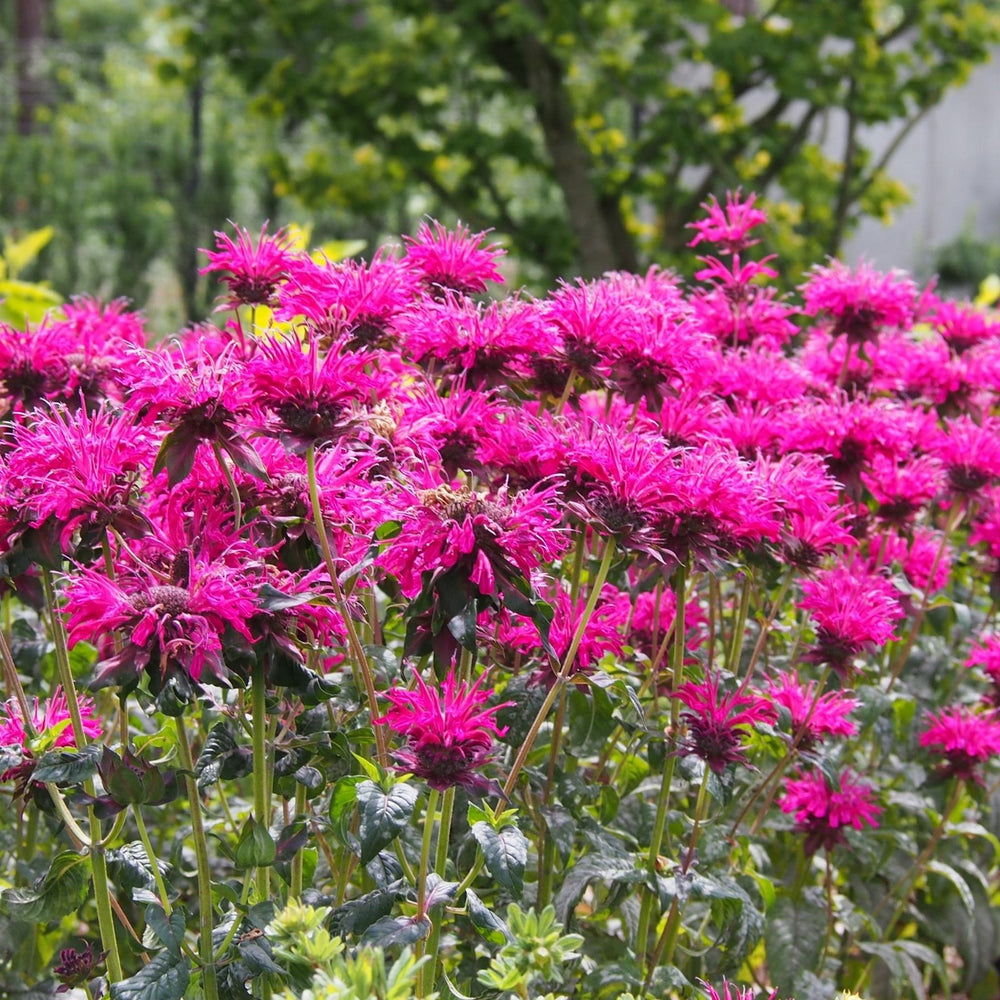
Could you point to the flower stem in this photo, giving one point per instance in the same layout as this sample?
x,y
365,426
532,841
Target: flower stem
x,y
440,866
564,672
99,871
357,650
209,981
649,895
261,771
301,808
161,886
430,814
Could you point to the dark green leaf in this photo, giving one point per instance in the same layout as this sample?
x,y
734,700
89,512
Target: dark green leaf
x,y
359,914
68,767
612,868
257,956
166,977
383,815
222,757
402,931
169,931
130,868
342,802
793,937
492,927
256,847
506,854
60,891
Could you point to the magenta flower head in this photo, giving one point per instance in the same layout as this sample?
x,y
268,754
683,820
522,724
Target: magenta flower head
x,y
861,303
731,992
201,399
449,735
823,811
453,260
817,715
985,652
172,625
717,722
49,725
728,227
255,271
965,737
854,611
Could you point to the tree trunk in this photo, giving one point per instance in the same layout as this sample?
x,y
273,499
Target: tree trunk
x,y
30,18
604,242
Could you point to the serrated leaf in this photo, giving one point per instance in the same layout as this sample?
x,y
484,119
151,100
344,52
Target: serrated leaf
x,y
342,801
222,757
258,957
130,868
383,815
793,937
492,927
401,931
61,890
166,977
506,854
169,931
359,914
612,868
68,767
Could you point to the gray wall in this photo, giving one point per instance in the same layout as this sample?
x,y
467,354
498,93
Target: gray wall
x,y
950,163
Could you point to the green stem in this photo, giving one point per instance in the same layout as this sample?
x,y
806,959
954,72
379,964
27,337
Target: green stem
x,y
231,483
209,980
440,866
161,886
425,859
564,672
649,896
668,939
357,650
98,865
261,771
301,807
735,650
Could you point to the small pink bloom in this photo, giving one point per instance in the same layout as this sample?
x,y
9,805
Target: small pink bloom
x,y
254,271
728,226
965,737
717,722
823,810
449,735
817,715
453,260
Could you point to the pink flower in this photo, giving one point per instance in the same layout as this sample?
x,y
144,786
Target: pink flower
x,y
172,626
717,723
730,992
817,715
254,271
308,392
729,226
45,717
453,260
962,324
49,719
824,810
860,303
485,538
965,737
449,737
985,653
75,472
202,400
854,611
970,453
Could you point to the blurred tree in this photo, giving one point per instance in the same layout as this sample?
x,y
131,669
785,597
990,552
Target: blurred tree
x,y
588,131
144,152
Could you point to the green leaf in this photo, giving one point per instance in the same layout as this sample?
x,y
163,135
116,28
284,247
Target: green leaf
x,y
342,802
256,847
492,927
68,767
130,868
793,937
61,890
166,977
506,854
222,757
605,867
169,931
400,931
383,815
961,886
359,914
